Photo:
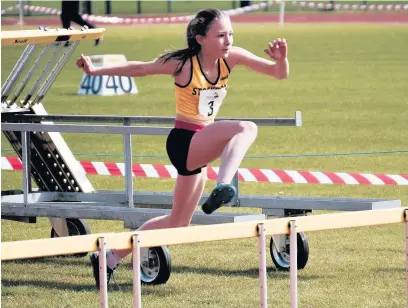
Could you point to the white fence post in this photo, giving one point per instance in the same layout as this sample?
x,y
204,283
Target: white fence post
x,y
282,13
262,265
137,289
406,251
293,264
20,12
103,275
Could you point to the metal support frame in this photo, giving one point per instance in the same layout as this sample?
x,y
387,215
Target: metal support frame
x,y
13,74
57,49
150,120
110,205
128,165
235,183
55,72
46,157
29,74
25,137
16,73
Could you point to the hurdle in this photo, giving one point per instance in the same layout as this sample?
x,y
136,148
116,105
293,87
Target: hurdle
x,y
65,194
186,235
42,69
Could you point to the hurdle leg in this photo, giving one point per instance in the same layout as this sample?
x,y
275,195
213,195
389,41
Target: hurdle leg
x,y
293,265
25,141
58,47
17,73
235,183
54,73
127,139
11,79
30,74
137,288
262,265
59,225
103,275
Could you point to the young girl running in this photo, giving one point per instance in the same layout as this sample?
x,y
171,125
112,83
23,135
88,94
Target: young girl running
x,y
201,72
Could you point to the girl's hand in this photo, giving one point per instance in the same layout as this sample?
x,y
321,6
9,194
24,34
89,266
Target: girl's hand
x,y
277,49
85,63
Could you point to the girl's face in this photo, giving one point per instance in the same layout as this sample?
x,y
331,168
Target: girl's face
x,y
219,38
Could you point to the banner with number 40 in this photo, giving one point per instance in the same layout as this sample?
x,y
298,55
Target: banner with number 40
x,y
107,85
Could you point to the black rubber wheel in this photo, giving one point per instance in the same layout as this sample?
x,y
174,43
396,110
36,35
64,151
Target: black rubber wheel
x,y
75,227
157,270
281,259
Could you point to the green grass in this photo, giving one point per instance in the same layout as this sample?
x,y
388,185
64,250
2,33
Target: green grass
x,y
350,83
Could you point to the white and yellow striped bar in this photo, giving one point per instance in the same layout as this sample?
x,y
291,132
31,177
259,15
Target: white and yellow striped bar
x,y
24,37
196,234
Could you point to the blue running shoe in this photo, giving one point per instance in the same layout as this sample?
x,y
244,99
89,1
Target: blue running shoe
x,y
222,194
95,267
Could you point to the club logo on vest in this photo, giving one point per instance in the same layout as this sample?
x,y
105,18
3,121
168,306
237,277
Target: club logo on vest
x,y
197,91
225,77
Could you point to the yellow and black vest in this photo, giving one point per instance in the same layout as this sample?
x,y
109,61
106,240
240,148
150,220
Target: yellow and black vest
x,y
201,99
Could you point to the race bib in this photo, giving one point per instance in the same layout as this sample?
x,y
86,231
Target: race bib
x,y
210,102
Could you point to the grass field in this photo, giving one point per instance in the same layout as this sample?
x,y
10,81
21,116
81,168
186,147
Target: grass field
x,y
350,83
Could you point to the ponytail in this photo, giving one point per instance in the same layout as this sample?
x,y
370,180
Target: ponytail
x,y
197,26
181,55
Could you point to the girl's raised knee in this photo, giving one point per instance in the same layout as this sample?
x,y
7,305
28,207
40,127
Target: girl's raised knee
x,y
248,127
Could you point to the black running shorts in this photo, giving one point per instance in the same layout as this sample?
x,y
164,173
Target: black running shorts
x,y
177,146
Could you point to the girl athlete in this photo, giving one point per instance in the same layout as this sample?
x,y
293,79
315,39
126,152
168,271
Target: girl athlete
x,y
201,72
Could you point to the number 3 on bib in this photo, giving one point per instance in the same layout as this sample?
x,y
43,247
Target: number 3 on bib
x,y
210,102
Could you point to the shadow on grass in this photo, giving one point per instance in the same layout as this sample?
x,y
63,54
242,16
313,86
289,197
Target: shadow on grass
x,y
162,290
113,287
392,270
47,284
378,249
273,273
53,261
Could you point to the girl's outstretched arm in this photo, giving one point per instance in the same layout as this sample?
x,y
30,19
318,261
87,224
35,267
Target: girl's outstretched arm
x,y
130,68
277,50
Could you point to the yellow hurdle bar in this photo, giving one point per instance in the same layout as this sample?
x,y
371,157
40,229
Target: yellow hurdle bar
x,y
196,234
24,37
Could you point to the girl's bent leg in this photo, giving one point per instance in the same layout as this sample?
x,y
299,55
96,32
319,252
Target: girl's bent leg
x,y
186,196
230,140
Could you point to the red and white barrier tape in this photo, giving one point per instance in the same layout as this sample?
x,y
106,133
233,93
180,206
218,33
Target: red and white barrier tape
x,y
354,7
244,175
148,20
9,9
231,12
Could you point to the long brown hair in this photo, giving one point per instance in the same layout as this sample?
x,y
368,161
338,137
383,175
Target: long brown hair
x,y
199,25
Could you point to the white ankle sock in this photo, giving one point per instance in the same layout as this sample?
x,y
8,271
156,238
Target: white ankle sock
x,y
112,259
